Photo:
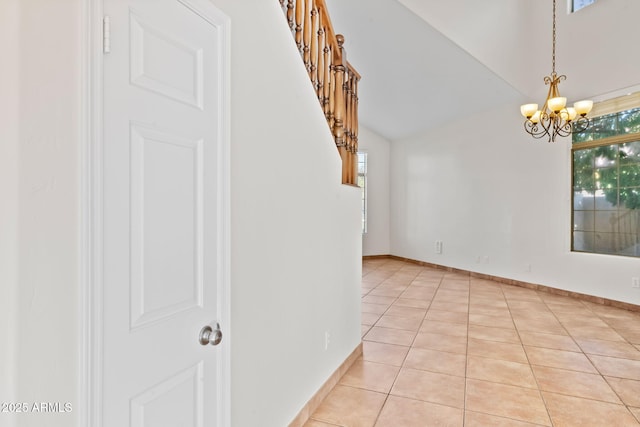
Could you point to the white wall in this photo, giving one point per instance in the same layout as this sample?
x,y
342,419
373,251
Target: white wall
x,y
295,229
377,239
500,202
9,76
47,265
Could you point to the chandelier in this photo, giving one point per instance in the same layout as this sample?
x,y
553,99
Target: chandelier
x,y
555,118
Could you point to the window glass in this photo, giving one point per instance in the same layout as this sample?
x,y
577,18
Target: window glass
x,y
606,185
576,5
609,125
362,183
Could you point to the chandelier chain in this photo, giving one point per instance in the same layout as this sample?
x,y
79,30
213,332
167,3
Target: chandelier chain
x,y
553,56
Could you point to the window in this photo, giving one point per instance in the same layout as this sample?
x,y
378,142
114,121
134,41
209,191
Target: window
x,y
362,183
576,5
606,180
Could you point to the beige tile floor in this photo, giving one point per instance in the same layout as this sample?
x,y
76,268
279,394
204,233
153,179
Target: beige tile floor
x,y
444,349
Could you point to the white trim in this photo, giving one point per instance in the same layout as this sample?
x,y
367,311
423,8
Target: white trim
x,y
90,329
90,271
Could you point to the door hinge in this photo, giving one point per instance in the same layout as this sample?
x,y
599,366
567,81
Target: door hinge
x,y
106,34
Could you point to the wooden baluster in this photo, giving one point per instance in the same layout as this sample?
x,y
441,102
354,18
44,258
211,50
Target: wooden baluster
x,y
339,112
332,93
313,64
354,128
299,23
333,79
306,49
328,81
347,123
290,18
321,76
352,154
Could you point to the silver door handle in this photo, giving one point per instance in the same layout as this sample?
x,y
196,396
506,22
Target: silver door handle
x,y
208,335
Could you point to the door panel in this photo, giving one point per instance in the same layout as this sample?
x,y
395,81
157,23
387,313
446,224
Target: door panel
x,y
164,64
167,217
177,401
162,201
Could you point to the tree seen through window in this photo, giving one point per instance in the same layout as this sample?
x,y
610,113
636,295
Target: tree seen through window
x,y
606,185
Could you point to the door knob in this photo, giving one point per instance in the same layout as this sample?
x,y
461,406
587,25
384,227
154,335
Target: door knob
x,y
208,335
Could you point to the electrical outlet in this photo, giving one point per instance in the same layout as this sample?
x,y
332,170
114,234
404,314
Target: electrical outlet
x,y
635,282
327,340
438,246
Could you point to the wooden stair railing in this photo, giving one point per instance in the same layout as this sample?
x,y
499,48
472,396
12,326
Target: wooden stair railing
x,y
333,78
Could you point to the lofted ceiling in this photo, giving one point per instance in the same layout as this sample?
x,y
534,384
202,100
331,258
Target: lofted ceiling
x,y
427,62
413,77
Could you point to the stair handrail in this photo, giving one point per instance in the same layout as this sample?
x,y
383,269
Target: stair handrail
x,y
334,79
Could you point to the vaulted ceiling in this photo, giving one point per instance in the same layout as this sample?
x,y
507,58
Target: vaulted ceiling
x,y
427,62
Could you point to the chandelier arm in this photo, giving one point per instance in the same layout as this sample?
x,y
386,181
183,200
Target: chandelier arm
x,y
533,129
548,123
581,124
544,127
563,128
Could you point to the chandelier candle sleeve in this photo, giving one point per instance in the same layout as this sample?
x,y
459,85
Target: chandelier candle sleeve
x,y
528,110
555,118
536,117
583,107
568,113
557,104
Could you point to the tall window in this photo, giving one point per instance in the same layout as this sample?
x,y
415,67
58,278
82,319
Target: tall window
x,y
606,180
362,183
576,5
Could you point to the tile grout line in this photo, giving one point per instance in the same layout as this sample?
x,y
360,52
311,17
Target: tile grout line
x,y
386,399
594,365
401,365
526,354
549,306
466,358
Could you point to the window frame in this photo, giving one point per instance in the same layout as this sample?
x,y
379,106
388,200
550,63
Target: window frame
x,y
604,108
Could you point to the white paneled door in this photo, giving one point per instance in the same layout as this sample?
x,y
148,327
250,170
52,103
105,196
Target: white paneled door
x,y
162,213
